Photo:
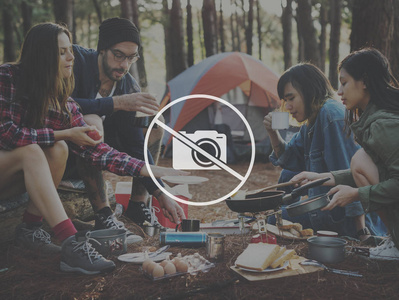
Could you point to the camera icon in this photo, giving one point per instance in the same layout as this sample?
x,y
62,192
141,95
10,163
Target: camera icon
x,y
186,158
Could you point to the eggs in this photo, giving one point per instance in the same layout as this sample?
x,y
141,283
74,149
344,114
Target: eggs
x,y
150,267
169,268
181,266
158,271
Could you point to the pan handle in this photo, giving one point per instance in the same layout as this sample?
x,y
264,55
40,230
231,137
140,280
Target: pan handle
x,y
288,199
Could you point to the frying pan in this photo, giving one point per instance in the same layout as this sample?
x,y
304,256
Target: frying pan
x,y
308,205
268,200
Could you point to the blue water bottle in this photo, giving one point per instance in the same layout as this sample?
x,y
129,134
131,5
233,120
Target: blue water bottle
x,y
183,239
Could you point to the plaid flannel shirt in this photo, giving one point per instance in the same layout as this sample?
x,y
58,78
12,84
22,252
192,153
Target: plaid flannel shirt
x,y
14,133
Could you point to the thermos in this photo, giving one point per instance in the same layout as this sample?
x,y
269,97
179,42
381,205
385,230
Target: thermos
x,y
183,239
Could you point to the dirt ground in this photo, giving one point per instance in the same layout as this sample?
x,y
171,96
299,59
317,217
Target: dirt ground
x,y
24,275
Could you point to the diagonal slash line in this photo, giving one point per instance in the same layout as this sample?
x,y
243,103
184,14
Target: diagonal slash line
x,y
193,146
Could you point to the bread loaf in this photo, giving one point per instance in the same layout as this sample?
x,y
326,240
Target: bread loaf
x,y
282,258
257,256
307,232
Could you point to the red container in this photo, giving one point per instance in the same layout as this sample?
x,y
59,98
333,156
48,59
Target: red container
x,y
164,220
269,238
122,193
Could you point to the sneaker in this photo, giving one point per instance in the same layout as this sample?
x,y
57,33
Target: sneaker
x,y
142,215
111,222
385,251
82,257
33,237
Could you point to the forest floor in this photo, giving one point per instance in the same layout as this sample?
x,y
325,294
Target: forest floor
x,y
27,276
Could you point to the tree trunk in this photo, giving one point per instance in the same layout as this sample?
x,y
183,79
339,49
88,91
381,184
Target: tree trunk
x,y
179,62
26,11
249,27
308,32
335,36
286,21
394,59
301,47
238,28
9,45
141,62
209,25
221,29
323,35
233,34
98,11
168,48
377,31
63,12
190,46
200,35
259,29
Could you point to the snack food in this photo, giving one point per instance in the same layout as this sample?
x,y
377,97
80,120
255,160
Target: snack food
x,y
307,232
279,261
257,256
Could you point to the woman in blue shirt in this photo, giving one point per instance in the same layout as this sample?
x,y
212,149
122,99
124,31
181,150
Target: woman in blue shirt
x,y
321,145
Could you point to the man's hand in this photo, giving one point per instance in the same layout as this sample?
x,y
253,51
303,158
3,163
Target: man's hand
x,y
142,102
343,195
170,208
306,177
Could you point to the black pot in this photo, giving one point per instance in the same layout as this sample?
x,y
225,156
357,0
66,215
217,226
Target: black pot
x,y
308,205
329,250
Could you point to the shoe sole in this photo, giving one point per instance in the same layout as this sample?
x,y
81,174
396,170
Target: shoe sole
x,y
66,268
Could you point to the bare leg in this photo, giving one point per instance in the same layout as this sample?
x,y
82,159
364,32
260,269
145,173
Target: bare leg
x,y
365,173
91,176
27,169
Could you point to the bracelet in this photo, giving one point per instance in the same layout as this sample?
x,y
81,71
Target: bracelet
x,y
157,194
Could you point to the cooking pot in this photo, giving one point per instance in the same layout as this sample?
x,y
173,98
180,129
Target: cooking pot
x,y
326,249
109,242
268,200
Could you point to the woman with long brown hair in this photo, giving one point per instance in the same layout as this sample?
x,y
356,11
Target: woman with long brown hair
x,y
39,124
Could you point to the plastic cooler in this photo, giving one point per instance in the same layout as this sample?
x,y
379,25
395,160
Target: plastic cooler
x,y
122,196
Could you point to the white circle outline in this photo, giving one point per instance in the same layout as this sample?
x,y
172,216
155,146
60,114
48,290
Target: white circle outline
x,y
251,164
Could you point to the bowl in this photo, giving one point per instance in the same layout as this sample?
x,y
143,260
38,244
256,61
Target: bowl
x,y
109,242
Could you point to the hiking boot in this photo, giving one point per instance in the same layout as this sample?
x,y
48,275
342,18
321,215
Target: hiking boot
x,y
385,251
142,215
82,257
111,222
33,237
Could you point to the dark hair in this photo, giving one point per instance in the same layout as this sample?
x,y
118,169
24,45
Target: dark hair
x,y
311,83
41,83
372,67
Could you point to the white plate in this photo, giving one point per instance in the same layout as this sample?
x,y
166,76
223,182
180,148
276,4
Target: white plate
x,y
267,270
184,179
138,258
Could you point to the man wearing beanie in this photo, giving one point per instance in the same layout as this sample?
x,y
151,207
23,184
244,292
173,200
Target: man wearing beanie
x,y
109,98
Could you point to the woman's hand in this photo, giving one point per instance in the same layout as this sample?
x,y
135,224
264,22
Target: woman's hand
x,y
343,195
78,136
267,121
305,177
170,208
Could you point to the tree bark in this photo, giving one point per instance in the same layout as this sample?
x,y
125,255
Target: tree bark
x,y
259,29
179,62
9,43
190,46
323,35
308,32
249,27
167,40
209,25
98,11
26,11
221,29
63,12
377,31
335,37
286,21
233,34
200,35
142,73
238,28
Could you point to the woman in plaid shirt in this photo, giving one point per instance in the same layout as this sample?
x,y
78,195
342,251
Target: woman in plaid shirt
x,y
39,123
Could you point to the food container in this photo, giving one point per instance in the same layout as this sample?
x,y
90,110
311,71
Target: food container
x,y
264,238
215,247
326,249
183,239
109,241
327,233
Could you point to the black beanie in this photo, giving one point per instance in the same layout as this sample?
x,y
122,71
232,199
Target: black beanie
x,y
117,30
